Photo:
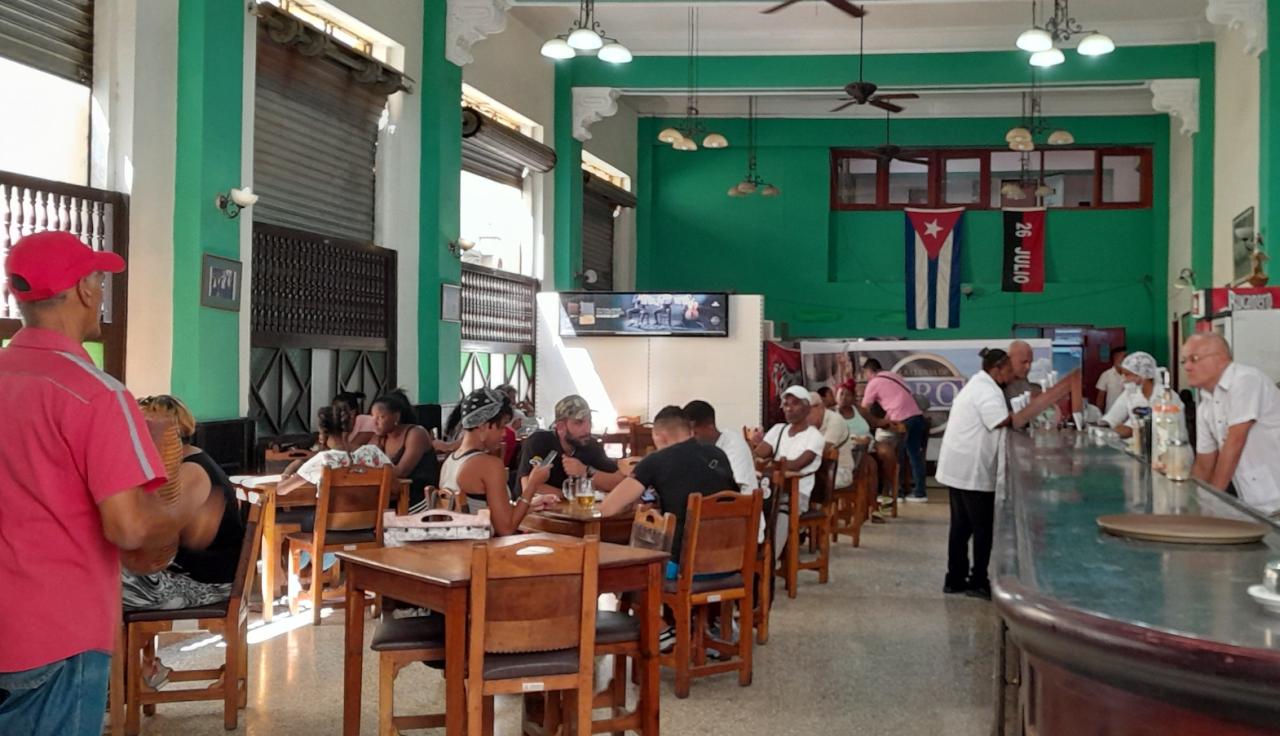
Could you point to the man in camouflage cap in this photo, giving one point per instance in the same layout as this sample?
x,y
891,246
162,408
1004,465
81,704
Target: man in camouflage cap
x,y
577,452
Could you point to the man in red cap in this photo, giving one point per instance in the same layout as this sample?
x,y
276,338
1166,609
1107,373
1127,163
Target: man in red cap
x,y
76,467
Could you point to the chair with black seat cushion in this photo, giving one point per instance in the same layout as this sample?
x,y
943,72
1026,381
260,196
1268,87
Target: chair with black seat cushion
x,y
230,619
717,561
533,617
400,642
817,520
349,510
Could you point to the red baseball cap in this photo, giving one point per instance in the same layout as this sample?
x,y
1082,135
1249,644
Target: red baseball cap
x,y
46,264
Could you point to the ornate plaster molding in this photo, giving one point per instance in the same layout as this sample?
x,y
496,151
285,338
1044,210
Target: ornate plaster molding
x,y
591,105
1180,98
1247,16
470,21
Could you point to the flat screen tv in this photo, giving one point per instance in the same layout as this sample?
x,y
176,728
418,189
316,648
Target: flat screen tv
x,y
649,314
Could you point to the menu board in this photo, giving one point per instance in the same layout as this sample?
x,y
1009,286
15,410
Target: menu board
x,y
595,313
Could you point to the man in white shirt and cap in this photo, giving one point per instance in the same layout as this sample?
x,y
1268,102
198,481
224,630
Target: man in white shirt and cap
x,y
796,444
1237,423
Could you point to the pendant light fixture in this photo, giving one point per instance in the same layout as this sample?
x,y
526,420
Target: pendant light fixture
x,y
684,135
1022,136
752,183
1044,40
586,36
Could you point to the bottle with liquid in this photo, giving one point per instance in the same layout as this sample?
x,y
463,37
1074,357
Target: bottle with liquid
x,y
1167,421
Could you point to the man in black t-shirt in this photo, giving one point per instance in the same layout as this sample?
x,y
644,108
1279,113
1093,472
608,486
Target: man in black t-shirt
x,y
681,467
577,452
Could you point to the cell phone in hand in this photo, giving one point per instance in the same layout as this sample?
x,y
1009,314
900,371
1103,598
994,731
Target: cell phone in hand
x,y
546,461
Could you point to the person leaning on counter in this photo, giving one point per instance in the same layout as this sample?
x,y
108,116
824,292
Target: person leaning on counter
x,y
1237,422
577,452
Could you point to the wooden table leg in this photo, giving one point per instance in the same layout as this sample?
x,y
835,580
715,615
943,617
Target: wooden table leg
x,y
270,556
455,661
650,614
353,664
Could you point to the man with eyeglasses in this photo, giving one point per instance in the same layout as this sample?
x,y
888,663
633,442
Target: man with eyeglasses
x,y
1237,421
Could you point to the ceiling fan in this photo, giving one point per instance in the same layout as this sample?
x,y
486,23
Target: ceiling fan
x,y
845,6
889,151
863,92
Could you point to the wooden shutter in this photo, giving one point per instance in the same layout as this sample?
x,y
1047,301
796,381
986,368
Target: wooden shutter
x,y
54,36
315,131
496,152
600,199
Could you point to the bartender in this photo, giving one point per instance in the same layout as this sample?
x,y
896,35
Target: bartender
x,y
1139,373
1237,423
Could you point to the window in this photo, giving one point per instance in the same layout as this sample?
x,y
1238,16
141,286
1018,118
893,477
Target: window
x,y
1110,178
497,218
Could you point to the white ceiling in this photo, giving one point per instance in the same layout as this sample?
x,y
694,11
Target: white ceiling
x,y
738,27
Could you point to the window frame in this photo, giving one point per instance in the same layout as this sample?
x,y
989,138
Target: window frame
x,y
937,158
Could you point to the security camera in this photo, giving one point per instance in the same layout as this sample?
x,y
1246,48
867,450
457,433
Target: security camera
x,y
244,197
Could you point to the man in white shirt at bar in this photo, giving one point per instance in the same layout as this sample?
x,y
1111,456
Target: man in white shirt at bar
x,y
1237,423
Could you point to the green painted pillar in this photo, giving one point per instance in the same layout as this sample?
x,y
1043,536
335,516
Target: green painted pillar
x,y
439,343
1268,219
567,255
206,342
1202,175
646,131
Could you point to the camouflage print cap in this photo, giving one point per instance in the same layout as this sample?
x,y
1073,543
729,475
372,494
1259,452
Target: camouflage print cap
x,y
572,406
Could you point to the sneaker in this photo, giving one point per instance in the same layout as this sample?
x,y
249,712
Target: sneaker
x,y
159,677
877,518
667,639
980,590
950,589
884,500
916,499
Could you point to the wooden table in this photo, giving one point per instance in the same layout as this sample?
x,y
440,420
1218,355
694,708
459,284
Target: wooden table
x,y
437,576
575,521
303,497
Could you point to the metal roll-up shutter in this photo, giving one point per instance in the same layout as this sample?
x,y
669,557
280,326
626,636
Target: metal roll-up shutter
x,y
54,36
600,201
496,152
315,139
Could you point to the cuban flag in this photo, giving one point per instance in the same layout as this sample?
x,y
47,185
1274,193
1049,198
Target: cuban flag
x,y
933,268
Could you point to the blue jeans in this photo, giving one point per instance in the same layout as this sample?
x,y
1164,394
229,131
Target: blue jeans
x,y
914,445
63,698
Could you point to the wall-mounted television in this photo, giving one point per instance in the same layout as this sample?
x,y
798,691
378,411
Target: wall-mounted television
x,y
648,314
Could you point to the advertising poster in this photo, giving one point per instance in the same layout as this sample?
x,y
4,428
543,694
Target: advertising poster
x,y
595,313
782,369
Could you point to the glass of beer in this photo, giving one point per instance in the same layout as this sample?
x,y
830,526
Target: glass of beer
x,y
586,493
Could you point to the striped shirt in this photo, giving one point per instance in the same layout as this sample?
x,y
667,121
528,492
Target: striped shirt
x,y
73,437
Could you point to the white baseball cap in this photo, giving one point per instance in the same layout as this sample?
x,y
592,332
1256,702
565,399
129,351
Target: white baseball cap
x,y
799,392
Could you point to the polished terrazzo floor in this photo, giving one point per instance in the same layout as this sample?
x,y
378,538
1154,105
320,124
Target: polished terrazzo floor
x,y
878,650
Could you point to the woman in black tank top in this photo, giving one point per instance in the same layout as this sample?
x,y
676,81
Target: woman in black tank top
x,y
408,445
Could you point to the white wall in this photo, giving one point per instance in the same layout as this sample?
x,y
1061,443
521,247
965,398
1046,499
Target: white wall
x,y
628,376
1180,179
135,100
510,68
614,140
1235,144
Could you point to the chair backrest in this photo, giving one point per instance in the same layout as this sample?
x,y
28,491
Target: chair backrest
x,y
353,498
652,529
533,594
249,550
274,461
720,532
641,443
443,498
824,480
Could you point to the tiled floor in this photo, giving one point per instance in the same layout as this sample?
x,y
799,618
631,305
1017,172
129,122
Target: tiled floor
x,y
879,650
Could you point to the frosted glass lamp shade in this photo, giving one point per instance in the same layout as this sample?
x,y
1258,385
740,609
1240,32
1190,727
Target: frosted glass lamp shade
x,y
1061,138
670,135
1095,44
615,53
558,48
585,39
1051,57
715,140
1035,39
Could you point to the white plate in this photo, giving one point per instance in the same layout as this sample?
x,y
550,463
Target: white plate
x,y
1265,598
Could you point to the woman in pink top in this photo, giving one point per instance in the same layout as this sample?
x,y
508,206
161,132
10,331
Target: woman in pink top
x,y
887,389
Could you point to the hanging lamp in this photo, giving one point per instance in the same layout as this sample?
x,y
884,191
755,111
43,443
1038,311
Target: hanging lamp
x,y
585,37
684,136
752,183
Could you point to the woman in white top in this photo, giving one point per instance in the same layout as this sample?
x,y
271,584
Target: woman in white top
x,y
476,470
1139,373
969,463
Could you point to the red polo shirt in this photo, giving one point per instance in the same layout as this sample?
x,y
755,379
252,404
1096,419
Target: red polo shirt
x,y
72,437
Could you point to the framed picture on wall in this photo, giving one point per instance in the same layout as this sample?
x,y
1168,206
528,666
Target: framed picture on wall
x,y
220,283
1244,242
450,303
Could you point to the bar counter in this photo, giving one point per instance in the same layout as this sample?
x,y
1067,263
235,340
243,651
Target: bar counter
x,y
1118,636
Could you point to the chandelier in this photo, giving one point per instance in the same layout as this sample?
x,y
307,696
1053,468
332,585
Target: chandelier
x,y
684,135
1043,40
586,36
1033,124
752,183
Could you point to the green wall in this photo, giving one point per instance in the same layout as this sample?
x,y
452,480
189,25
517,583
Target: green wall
x,y
206,342
841,274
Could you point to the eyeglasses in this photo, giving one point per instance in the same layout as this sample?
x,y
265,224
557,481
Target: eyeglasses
x,y
1193,359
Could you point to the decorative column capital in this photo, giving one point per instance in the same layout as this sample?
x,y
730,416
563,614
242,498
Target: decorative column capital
x,y
1180,98
591,105
1247,16
469,22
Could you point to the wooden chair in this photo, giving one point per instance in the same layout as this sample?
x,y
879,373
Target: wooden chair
x,y
400,642
533,618
348,517
817,519
855,501
275,460
719,539
230,619
788,501
886,456
641,442
764,572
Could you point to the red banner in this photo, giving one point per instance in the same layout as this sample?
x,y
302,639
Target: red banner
x,y
781,371
1023,250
